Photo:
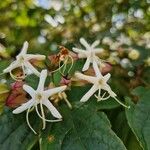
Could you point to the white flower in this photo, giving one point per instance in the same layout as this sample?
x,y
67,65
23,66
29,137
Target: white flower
x,y
99,83
40,96
89,53
22,60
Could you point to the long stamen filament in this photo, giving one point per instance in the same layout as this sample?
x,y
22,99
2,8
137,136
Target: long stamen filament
x,y
18,78
57,68
43,116
64,69
121,103
65,65
27,119
68,103
14,77
72,62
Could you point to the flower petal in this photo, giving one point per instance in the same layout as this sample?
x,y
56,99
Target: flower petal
x,y
84,43
24,48
28,65
12,66
24,107
97,50
95,43
43,76
107,76
52,109
89,93
96,69
77,50
53,91
29,90
85,77
87,64
37,57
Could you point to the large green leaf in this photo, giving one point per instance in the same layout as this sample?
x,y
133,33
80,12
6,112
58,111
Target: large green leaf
x,y
82,129
14,132
138,117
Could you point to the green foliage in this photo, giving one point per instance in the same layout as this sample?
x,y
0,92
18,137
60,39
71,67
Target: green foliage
x,y
138,117
15,134
92,130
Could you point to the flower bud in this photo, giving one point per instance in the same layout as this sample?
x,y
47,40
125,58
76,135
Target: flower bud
x,y
147,62
134,54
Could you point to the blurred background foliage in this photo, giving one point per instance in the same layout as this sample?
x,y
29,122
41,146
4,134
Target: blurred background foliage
x,y
122,26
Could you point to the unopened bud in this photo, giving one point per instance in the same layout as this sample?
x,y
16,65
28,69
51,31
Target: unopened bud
x,y
147,62
134,54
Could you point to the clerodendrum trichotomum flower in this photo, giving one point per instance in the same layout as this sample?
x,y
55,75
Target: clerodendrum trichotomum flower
x,y
23,61
99,83
41,97
90,53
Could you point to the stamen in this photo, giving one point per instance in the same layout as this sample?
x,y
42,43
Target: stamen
x,y
65,65
44,118
43,115
14,77
121,103
18,78
72,62
27,119
63,96
57,68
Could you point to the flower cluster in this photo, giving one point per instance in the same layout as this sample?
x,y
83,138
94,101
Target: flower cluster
x,y
99,81
42,96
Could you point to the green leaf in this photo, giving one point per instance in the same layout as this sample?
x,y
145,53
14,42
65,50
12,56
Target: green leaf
x,y
82,129
15,134
123,131
138,116
3,65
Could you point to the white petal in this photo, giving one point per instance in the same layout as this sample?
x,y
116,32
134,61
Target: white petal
x,y
89,93
43,76
52,109
107,76
37,57
95,43
24,48
82,56
29,90
85,77
97,50
96,69
56,90
24,107
84,43
77,50
29,66
87,64
12,66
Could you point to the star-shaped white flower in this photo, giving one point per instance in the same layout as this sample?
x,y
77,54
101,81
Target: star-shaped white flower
x,y
23,60
99,83
89,53
40,96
